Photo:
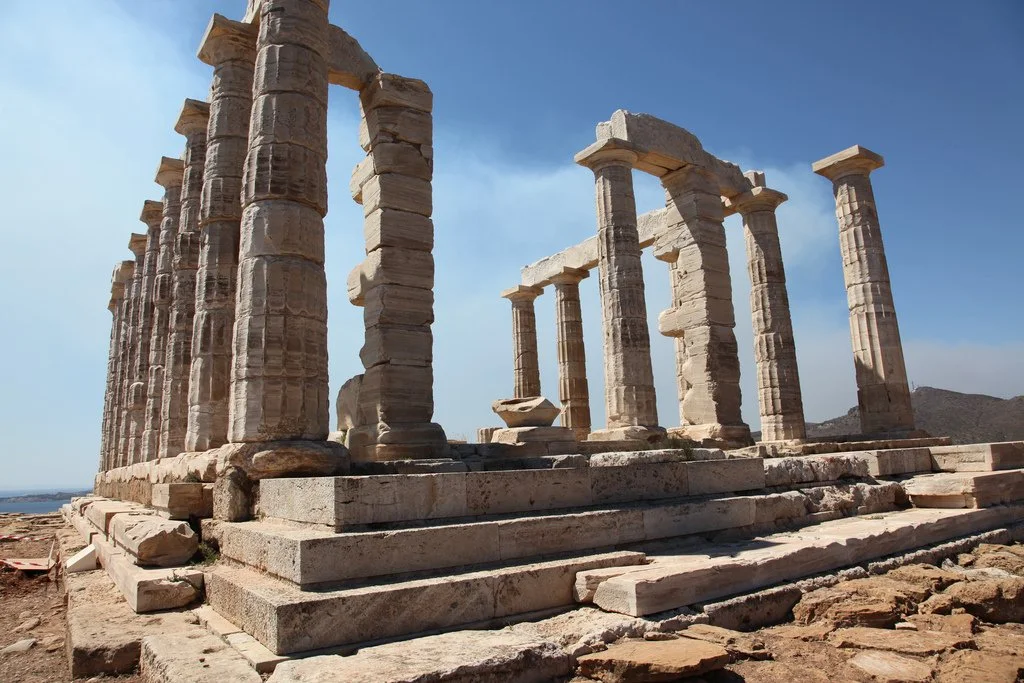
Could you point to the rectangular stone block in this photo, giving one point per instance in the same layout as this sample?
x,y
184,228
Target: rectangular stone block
x,y
886,463
640,481
726,476
394,191
398,266
393,228
980,457
515,435
666,521
100,513
154,541
182,500
493,493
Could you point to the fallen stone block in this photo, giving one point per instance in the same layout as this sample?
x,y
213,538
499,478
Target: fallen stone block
x,y
82,561
663,660
526,412
460,656
196,657
154,541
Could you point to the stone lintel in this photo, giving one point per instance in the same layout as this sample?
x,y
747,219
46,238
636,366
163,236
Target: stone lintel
x,y
569,276
606,150
194,117
854,159
222,38
169,172
137,244
152,212
348,64
522,293
755,199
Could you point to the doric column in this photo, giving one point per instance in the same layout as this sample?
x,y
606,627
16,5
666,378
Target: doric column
x,y
129,388
701,318
169,175
137,447
883,395
230,47
573,390
525,365
630,401
122,274
121,369
192,123
778,382
279,374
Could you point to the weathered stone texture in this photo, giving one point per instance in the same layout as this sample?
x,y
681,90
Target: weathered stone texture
x,y
573,389
279,374
120,277
525,362
883,394
702,318
170,176
130,389
230,47
629,378
192,124
778,381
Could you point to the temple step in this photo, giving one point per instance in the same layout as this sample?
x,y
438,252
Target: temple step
x,y
966,489
287,619
716,571
979,457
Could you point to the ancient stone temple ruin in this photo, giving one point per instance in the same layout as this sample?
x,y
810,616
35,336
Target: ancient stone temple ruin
x,y
216,423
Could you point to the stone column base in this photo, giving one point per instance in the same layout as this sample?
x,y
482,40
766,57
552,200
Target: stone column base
x,y
515,435
653,435
400,442
715,435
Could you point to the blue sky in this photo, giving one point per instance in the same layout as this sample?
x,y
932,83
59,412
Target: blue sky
x,y
91,92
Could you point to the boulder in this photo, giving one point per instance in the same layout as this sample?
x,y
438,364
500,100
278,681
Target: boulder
x,y
993,600
875,601
736,643
925,576
980,667
536,411
665,660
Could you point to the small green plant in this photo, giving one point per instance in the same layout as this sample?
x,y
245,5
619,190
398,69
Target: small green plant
x,y
206,554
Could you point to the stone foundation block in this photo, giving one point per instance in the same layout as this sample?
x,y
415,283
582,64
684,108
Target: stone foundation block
x,y
183,500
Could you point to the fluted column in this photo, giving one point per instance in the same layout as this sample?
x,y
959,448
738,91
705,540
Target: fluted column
x,y
192,123
883,394
701,318
151,216
630,400
778,381
279,375
130,389
573,390
120,376
525,366
230,47
169,175
122,274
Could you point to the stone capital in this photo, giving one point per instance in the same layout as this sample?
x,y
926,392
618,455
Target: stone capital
x,y
169,172
756,199
569,276
193,119
609,152
152,213
854,160
522,293
137,244
123,272
226,40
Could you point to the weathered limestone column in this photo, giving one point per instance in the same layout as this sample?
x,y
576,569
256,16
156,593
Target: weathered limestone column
x,y
525,363
192,123
573,390
230,47
778,382
137,447
120,376
279,374
129,388
393,183
701,317
883,394
630,401
122,273
169,175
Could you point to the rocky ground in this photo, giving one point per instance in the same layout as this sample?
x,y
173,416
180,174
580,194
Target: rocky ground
x,y
32,608
957,622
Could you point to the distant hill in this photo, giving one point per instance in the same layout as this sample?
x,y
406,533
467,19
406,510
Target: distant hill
x,y
967,418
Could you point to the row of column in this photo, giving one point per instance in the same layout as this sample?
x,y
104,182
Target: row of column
x,y
220,332
701,319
